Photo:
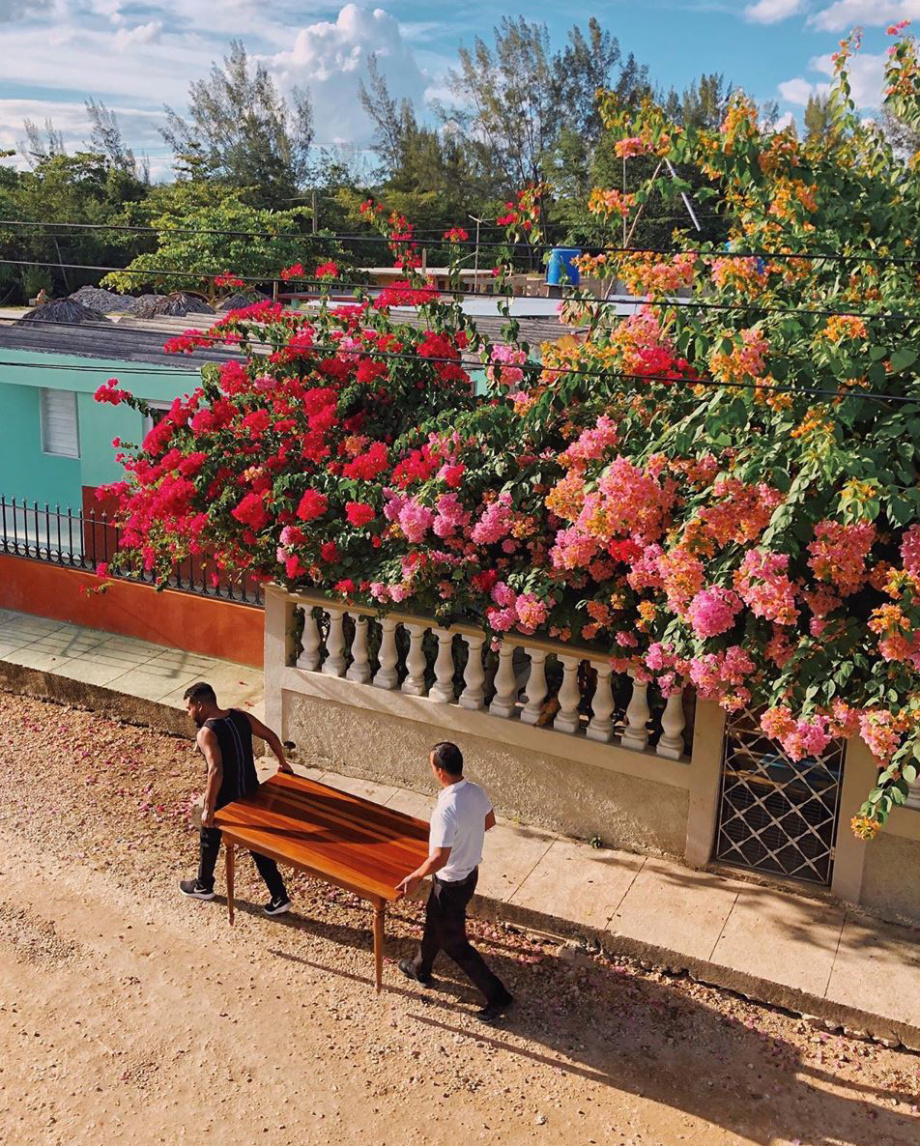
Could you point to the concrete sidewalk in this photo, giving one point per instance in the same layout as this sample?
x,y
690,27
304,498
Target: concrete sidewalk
x,y
788,948
810,955
123,665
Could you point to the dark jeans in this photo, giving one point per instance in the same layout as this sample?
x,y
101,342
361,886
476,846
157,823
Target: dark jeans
x,y
210,847
445,929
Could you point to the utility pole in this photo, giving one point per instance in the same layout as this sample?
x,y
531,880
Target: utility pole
x,y
315,220
476,254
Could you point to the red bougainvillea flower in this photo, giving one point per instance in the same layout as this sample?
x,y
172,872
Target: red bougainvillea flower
x,y
329,552
228,280
110,393
313,504
294,271
252,512
456,235
359,513
187,342
368,465
328,270
403,293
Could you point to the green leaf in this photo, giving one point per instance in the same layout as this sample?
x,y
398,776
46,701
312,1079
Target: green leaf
x,y
903,358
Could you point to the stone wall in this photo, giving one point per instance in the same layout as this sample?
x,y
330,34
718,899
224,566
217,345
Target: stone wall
x,y
546,790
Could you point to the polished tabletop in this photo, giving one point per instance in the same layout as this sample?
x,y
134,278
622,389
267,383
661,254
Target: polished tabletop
x,y
345,838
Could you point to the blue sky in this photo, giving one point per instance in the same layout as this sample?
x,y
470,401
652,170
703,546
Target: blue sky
x,y
136,55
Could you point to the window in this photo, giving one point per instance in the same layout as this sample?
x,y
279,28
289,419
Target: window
x,y
60,434
158,410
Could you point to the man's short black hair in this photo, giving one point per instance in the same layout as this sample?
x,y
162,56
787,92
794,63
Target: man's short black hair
x,y
448,757
201,692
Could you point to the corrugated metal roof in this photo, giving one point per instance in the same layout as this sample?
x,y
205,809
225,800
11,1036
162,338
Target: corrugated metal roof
x,y
128,339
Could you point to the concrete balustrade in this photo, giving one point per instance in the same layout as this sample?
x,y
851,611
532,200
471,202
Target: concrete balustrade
x,y
519,688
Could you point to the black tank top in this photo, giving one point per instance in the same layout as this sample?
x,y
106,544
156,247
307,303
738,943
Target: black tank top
x,y
234,735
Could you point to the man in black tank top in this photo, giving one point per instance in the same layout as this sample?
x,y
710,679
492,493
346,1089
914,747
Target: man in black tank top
x,y
225,740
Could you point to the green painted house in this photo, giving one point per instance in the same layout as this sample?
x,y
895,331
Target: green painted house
x,y
55,439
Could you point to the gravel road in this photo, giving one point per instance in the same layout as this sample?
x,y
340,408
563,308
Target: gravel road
x,y
131,1015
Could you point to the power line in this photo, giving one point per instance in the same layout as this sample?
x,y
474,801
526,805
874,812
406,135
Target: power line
x,y
436,234
166,371
816,256
684,304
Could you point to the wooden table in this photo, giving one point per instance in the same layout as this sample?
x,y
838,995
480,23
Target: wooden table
x,y
345,840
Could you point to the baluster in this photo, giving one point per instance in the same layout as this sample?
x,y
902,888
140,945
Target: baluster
x,y
567,719
601,724
473,694
671,741
387,675
334,664
635,734
359,669
536,687
504,702
309,658
414,684
443,690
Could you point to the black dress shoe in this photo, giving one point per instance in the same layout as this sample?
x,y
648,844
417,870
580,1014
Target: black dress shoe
x,y
492,1012
408,969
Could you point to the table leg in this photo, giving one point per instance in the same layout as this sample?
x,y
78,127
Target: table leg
x,y
379,918
231,867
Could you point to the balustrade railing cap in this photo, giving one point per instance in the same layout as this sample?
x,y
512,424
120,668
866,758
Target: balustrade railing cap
x,y
319,600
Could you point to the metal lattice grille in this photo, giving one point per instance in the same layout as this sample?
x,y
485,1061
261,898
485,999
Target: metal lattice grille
x,y
776,814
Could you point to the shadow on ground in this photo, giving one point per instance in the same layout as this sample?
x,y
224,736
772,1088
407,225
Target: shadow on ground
x,y
638,1036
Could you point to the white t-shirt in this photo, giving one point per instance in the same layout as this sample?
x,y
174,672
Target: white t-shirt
x,y
458,822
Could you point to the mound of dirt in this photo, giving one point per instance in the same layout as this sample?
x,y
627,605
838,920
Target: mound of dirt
x,y
106,301
241,299
179,303
63,310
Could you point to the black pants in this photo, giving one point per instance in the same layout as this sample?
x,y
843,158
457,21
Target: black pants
x,y
445,929
210,847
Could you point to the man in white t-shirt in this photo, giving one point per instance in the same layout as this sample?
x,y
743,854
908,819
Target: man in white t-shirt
x,y
459,822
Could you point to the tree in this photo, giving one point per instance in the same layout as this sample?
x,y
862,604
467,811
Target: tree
x,y
243,131
36,148
91,186
818,119
428,174
586,65
514,99
705,102
202,231
392,121
106,139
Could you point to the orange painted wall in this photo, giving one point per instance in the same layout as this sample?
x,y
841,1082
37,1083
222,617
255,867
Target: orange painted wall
x,y
176,620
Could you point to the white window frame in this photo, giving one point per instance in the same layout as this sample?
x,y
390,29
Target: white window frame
x,y
44,395
154,404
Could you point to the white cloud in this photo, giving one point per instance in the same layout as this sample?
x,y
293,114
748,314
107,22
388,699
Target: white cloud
x,y
140,34
772,11
11,10
330,58
797,90
139,54
845,14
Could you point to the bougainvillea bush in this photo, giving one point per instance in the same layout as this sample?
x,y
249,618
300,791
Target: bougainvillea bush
x,y
721,491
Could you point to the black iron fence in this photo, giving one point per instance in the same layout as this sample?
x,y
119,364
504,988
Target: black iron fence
x,y
80,540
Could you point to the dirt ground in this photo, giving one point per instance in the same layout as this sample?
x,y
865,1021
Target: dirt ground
x,y
129,1014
